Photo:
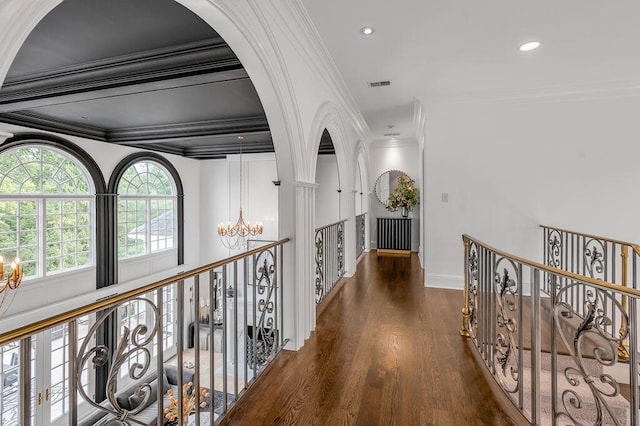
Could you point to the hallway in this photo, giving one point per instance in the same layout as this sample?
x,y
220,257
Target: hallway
x,y
386,351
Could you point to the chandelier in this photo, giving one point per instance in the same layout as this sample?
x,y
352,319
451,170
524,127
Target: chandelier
x,y
11,282
235,236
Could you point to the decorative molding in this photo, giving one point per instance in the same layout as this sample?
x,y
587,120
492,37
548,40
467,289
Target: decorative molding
x,y
35,121
419,119
176,66
224,150
159,137
558,93
302,184
244,125
312,48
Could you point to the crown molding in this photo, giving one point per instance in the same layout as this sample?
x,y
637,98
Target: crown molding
x,y
159,137
312,48
194,63
28,119
550,93
244,125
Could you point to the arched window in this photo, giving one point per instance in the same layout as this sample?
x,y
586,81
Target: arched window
x,y
146,210
47,204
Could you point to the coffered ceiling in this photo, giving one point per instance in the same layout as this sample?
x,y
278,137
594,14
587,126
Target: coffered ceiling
x,y
144,73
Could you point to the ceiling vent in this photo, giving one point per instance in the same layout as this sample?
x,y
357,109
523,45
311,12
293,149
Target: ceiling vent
x,y
392,134
380,83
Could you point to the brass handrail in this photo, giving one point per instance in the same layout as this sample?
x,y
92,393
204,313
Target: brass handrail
x,y
331,224
599,283
478,292
37,326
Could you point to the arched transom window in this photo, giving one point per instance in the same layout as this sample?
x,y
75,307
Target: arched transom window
x,y
146,210
46,210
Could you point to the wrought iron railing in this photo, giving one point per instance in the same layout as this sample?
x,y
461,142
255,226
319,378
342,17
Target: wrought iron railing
x,y
554,356
360,233
596,257
237,329
329,258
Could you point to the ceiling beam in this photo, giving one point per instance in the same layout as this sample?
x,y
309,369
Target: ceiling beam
x,y
49,124
244,125
143,135
185,65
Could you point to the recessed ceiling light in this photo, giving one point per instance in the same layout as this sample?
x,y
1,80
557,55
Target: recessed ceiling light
x,y
366,30
529,46
240,137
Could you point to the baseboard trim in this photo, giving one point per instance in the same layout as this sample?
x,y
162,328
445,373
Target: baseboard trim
x,y
452,282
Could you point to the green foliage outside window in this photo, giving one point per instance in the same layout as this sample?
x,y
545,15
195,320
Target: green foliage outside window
x,y
45,201
145,210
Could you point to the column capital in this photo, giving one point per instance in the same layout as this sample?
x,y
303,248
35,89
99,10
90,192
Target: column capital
x,y
303,184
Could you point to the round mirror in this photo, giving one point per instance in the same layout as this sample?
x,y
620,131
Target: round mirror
x,y
386,184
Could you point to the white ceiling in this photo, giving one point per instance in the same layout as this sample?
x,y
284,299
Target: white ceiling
x,y
468,48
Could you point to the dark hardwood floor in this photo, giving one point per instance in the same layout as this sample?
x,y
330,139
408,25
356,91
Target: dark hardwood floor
x,y
386,351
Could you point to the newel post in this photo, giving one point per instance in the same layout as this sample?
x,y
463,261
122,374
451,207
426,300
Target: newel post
x,y
623,353
464,331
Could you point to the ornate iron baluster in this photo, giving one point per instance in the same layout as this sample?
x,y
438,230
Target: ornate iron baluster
x,y
340,248
267,334
132,343
593,323
319,266
593,258
473,291
507,327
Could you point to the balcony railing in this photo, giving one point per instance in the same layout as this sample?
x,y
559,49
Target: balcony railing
x,y
360,233
123,345
329,258
597,257
549,338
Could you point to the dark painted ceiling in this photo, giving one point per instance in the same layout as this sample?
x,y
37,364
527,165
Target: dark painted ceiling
x,y
142,73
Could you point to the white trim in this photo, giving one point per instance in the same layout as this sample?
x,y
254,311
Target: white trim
x,y
302,184
453,282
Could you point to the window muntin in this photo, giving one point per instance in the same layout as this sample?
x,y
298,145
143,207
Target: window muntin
x,y
146,210
46,210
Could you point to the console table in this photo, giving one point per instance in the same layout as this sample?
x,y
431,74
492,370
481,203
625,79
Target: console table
x,y
394,236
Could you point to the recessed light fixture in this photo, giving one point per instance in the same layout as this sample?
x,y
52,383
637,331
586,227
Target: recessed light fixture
x,y
531,45
366,31
240,137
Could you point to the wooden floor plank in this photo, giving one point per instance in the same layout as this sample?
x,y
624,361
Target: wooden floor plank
x,y
386,351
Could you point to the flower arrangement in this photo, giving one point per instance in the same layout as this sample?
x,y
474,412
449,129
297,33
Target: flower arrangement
x,y
190,402
404,196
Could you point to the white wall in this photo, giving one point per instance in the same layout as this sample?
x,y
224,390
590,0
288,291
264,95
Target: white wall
x,y
397,155
510,166
219,199
327,195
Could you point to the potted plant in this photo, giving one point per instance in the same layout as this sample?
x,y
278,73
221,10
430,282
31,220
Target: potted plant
x,y
405,196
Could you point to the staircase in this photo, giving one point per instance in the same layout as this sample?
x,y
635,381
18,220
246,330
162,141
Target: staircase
x,y
588,412
585,409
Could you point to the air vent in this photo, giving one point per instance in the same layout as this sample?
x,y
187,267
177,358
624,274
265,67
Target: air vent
x,y
392,134
380,83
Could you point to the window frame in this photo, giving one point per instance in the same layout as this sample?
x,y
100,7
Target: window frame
x,y
40,200
114,181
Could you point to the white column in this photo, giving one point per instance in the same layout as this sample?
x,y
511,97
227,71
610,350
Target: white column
x,y
305,259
